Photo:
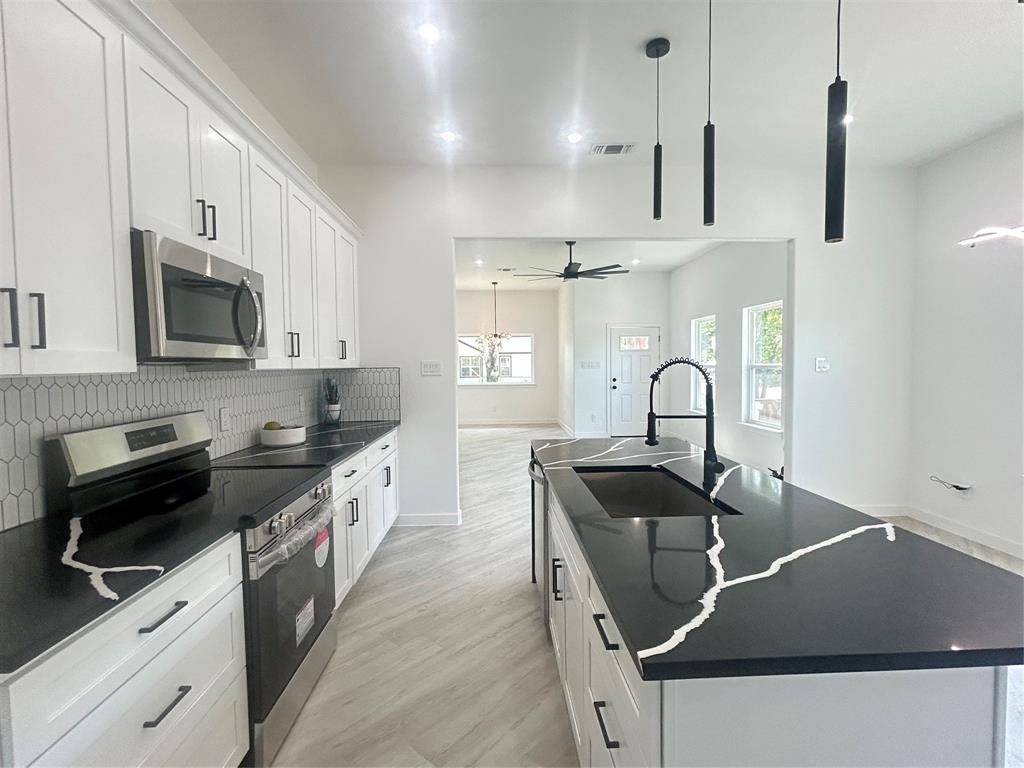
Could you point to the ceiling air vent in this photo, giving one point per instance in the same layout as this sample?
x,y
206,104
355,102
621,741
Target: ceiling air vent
x,y
506,269
611,149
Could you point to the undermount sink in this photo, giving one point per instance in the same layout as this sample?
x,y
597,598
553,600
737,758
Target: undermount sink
x,y
644,492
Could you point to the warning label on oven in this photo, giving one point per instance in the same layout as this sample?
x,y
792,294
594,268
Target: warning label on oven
x,y
323,547
304,621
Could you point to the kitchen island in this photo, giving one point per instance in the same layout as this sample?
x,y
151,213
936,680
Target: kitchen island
x,y
767,624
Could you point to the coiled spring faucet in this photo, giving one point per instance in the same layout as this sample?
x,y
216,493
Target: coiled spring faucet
x,y
711,461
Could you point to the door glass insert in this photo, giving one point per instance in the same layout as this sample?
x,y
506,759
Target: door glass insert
x,y
634,343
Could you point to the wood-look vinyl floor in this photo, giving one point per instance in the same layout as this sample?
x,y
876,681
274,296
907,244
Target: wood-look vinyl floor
x,y
442,658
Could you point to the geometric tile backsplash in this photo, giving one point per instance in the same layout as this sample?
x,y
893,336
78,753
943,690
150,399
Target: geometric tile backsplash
x,y
35,407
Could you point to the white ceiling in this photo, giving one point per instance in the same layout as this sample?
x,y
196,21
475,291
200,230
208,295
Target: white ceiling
x,y
353,83
526,255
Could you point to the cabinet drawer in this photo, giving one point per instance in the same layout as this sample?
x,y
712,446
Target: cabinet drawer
x,y
571,550
148,718
613,715
49,699
344,476
381,448
222,737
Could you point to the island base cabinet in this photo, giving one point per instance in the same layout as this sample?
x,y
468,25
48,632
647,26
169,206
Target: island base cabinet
x,y
933,717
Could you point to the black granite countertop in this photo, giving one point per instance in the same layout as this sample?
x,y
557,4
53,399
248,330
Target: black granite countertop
x,y
326,445
794,583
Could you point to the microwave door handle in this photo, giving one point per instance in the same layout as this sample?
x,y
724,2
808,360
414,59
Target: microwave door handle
x,y
250,349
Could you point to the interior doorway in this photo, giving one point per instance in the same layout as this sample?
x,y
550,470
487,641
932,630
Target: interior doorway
x,y
633,353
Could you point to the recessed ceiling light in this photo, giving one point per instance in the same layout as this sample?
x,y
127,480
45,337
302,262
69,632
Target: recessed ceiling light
x,y
448,136
636,261
429,32
847,118
575,137
479,262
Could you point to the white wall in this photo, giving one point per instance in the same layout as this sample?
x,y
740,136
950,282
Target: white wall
x,y
966,396
533,312
566,358
722,282
186,37
849,430
639,298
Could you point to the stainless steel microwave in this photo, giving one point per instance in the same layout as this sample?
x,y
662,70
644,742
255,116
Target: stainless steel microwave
x,y
193,306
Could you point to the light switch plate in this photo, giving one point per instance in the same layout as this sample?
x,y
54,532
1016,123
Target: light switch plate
x,y
822,365
430,367
224,416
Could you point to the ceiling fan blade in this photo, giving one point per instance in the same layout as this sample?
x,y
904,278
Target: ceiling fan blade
x,y
546,277
606,266
609,270
592,277
531,274
542,269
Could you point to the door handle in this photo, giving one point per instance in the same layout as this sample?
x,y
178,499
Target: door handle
x,y
352,504
608,644
213,222
556,563
182,693
156,624
15,341
598,706
258,309
615,386
202,206
41,308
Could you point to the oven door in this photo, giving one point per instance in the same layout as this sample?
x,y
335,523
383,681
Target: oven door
x,y
190,305
289,591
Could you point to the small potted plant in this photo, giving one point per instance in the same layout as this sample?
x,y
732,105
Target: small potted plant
x,y
333,396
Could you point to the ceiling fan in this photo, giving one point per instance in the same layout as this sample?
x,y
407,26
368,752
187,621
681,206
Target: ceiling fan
x,y
572,270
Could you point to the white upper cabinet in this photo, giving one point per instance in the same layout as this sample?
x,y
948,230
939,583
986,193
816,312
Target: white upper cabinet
x,y
348,302
10,355
225,171
163,134
302,278
189,168
268,193
68,188
336,300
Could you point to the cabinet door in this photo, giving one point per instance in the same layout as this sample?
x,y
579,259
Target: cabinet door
x,y
224,158
163,136
301,277
347,302
573,651
375,505
390,492
69,187
342,564
328,337
359,541
556,602
10,356
268,196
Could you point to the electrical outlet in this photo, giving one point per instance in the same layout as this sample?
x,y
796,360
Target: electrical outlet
x,y
430,367
822,365
225,419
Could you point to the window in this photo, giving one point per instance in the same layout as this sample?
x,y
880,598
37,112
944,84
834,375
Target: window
x,y
510,361
702,349
763,365
634,343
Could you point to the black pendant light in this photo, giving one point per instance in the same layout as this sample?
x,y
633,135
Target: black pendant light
x,y
657,48
835,155
709,146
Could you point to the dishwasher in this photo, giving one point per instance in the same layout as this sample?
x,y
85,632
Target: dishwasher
x,y
538,530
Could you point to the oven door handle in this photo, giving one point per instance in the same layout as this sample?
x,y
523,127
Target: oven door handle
x,y
250,348
286,546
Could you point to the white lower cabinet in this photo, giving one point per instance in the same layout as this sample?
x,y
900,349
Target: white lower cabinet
x,y
342,560
135,688
360,547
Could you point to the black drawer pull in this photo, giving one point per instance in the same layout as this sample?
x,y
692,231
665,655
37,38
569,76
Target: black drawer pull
x,y
15,328
556,563
385,447
598,706
608,644
182,693
156,624
202,206
351,472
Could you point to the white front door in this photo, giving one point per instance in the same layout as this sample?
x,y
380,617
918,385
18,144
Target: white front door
x,y
633,354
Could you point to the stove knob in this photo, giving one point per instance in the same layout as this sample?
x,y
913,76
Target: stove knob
x,y
276,526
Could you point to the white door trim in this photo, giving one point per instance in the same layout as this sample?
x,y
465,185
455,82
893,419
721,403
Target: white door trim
x,y
608,366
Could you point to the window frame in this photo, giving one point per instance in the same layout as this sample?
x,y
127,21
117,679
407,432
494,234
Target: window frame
x,y
482,381
751,367
696,380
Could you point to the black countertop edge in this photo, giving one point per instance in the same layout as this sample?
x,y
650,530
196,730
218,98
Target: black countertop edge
x,y
313,452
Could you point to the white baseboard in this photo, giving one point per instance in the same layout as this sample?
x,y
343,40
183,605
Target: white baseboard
x,y
408,521
577,433
566,428
944,523
508,423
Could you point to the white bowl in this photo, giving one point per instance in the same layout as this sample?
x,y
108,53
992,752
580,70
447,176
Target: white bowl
x,y
283,437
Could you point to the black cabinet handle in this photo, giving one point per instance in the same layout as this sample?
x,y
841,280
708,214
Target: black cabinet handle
x,y
385,446
291,344
213,222
202,207
356,500
608,644
298,344
598,706
387,478
351,472
556,563
352,504
15,341
156,624
41,308
343,354
182,693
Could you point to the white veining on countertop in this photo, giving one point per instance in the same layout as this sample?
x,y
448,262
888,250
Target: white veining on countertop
x,y
678,458
710,597
721,481
557,445
96,573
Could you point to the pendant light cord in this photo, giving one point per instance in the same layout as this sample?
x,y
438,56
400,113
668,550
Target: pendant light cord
x,y
657,105
839,31
709,61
